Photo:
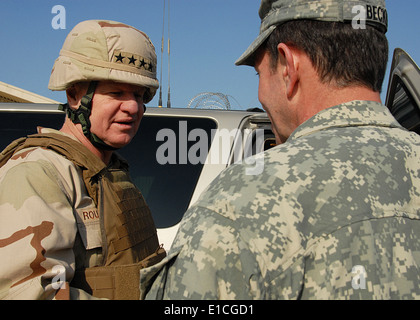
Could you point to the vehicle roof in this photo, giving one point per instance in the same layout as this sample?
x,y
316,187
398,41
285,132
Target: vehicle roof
x,y
28,107
39,107
222,117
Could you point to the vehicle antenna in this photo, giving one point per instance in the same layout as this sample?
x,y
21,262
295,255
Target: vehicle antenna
x,y
169,58
161,56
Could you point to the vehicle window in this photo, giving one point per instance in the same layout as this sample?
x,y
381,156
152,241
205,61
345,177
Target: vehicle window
x,y
167,188
14,125
269,140
260,143
404,109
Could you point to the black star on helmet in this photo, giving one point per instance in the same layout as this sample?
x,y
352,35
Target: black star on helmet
x,y
142,63
119,58
132,60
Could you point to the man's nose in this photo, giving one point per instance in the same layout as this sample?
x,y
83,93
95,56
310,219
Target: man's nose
x,y
132,103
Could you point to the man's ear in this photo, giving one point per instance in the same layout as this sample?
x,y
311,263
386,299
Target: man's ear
x,y
75,94
290,63
73,98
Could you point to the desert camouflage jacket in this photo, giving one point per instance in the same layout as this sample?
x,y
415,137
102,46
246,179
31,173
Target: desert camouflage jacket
x,y
333,215
39,189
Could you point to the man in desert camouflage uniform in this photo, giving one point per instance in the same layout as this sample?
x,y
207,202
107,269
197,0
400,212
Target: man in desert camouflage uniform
x,y
335,212
72,224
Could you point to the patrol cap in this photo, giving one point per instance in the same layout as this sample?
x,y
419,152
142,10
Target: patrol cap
x,y
98,50
275,12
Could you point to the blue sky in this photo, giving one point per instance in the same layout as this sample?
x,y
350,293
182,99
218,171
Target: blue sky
x,y
207,36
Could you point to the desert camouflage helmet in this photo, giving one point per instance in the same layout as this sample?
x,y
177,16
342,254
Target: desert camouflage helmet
x,y
98,50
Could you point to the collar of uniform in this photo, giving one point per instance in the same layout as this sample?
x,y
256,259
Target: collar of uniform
x,y
117,161
50,130
350,114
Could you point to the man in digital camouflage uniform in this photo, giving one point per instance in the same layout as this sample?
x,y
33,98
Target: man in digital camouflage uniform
x,y
335,212
72,224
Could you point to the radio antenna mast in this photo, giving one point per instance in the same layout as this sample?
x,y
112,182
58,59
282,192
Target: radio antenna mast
x,y
169,57
161,57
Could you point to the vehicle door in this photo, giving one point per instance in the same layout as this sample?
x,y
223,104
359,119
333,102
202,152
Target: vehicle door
x,y
403,95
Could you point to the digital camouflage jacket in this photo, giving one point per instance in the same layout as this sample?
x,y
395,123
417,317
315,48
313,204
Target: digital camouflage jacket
x,y
333,215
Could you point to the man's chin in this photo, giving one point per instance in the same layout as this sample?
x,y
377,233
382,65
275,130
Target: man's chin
x,y
120,143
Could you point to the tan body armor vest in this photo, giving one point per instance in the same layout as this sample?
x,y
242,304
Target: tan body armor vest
x,y
129,237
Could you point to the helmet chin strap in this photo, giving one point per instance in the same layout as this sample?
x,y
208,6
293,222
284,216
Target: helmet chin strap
x,y
82,114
